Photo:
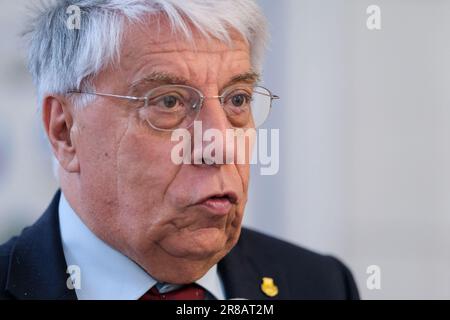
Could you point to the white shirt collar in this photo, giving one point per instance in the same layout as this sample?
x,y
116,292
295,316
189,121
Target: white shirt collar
x,y
107,274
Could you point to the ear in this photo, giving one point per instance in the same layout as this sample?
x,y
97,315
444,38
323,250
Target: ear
x,y
58,123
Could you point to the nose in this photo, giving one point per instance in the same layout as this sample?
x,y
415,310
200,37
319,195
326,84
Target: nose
x,y
212,126
213,115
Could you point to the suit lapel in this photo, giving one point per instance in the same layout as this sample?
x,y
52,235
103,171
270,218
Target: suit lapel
x,y
242,275
38,268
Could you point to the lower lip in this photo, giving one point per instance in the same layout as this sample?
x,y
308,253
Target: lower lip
x,y
219,206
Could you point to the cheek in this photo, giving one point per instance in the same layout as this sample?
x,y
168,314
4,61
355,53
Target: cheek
x,y
244,175
144,169
95,144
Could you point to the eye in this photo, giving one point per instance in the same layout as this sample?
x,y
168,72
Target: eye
x,y
169,102
240,99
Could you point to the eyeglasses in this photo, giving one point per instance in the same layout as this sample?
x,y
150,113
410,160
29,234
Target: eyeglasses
x,y
171,107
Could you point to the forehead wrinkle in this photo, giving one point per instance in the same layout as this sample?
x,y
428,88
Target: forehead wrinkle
x,y
189,51
159,33
165,78
167,72
167,44
156,58
195,42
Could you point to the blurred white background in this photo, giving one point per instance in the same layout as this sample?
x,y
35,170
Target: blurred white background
x,y
364,127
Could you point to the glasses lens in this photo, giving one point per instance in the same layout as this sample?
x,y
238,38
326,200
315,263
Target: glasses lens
x,y
171,107
237,105
247,106
261,104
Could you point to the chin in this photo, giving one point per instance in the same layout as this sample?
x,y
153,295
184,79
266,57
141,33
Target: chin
x,y
201,244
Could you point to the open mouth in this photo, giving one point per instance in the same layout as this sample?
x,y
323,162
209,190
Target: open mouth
x,y
219,204
231,197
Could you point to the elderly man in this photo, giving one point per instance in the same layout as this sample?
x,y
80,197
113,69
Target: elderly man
x,y
115,80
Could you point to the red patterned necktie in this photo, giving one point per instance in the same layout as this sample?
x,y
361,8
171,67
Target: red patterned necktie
x,y
187,292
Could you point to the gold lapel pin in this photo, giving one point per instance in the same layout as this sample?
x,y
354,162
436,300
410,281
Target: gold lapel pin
x,y
268,287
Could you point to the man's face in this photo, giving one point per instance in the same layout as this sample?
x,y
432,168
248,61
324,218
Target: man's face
x,y
132,194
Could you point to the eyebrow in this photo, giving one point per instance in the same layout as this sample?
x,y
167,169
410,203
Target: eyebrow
x,y
250,77
159,78
165,78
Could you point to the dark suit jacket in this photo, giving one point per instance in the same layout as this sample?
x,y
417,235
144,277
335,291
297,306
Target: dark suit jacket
x,y
32,266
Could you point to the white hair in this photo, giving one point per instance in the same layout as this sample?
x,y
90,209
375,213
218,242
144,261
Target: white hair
x,y
61,59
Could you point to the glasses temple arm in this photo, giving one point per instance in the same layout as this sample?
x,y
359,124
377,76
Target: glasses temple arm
x,y
110,95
